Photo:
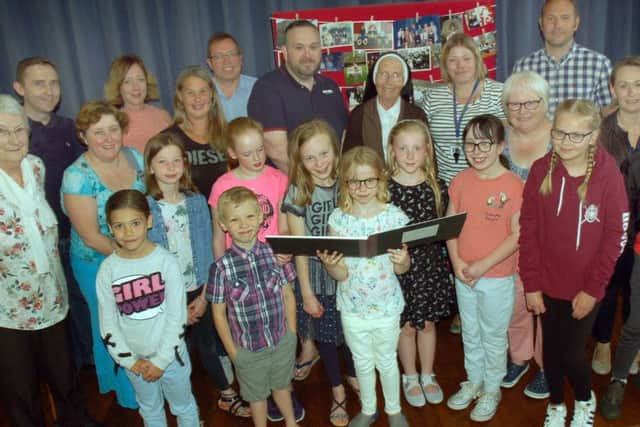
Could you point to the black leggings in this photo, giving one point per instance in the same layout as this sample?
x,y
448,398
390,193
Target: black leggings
x,y
565,342
204,337
329,355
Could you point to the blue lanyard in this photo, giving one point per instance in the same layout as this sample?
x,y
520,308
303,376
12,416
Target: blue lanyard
x,y
457,122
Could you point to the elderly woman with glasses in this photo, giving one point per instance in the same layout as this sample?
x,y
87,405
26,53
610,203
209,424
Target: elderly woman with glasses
x,y
388,98
525,98
33,289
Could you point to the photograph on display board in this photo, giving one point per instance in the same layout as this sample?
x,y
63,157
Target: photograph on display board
x,y
332,61
435,51
355,67
486,43
478,17
420,89
336,34
354,96
281,26
373,35
372,57
450,24
418,58
428,30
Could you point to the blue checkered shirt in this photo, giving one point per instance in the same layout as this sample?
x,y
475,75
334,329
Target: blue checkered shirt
x,y
250,283
582,74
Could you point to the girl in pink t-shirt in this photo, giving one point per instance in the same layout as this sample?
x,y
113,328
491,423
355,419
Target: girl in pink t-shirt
x,y
245,148
484,262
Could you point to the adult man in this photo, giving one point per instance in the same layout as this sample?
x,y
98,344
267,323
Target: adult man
x,y
225,61
53,139
295,92
572,70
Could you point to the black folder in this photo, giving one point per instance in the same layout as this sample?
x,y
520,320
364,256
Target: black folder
x,y
376,244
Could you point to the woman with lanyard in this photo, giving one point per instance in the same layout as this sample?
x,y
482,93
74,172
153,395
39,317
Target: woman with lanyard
x,y
466,93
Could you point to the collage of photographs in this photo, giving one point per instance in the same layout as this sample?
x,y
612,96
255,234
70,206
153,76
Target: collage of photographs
x,y
351,47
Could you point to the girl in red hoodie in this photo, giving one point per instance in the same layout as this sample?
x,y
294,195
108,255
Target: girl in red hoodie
x,y
572,229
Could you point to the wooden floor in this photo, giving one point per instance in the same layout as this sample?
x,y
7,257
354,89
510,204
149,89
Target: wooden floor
x,y
515,409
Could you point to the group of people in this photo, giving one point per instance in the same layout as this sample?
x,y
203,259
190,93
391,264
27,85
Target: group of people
x,y
149,230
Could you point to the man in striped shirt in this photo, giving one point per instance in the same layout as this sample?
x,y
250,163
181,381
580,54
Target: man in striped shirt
x,y
572,70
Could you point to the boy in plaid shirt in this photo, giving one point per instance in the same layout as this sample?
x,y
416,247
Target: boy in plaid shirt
x,y
254,308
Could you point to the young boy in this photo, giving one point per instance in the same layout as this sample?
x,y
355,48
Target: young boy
x,y
259,328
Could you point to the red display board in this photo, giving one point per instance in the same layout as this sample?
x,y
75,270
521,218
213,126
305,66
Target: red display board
x,y
353,37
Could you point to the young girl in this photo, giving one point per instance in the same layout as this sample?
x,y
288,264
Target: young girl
x,y
415,188
181,224
245,147
143,313
575,212
484,263
369,296
312,196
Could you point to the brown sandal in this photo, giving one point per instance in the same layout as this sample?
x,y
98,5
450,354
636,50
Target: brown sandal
x,y
336,417
235,406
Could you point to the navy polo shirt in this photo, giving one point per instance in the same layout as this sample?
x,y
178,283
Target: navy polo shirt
x,y
279,102
57,144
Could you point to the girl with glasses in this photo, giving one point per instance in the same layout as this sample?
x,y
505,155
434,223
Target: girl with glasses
x,y
369,296
484,258
575,212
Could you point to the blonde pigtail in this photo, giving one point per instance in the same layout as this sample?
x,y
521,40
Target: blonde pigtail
x,y
545,186
582,189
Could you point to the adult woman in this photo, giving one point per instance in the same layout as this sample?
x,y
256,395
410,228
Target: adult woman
x,y
620,136
525,99
87,184
198,122
129,87
387,99
33,292
467,93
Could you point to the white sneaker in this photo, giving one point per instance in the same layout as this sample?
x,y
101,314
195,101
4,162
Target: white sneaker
x,y
486,407
462,399
556,415
584,412
434,397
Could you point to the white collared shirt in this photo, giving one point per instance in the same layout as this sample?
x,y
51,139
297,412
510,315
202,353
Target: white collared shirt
x,y
388,119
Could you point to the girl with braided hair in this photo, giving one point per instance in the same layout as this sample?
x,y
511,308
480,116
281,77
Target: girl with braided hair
x,y
575,212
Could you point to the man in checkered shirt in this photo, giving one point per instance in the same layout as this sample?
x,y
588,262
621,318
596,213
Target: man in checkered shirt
x,y
572,70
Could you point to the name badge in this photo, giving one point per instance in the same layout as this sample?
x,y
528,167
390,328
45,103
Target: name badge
x,y
327,91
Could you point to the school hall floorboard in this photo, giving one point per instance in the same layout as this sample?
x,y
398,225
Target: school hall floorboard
x,y
515,408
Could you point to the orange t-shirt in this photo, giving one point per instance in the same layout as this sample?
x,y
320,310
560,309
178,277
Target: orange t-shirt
x,y
143,125
490,205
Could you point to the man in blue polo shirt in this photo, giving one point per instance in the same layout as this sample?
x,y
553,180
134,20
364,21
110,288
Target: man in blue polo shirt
x,y
225,61
295,92
54,139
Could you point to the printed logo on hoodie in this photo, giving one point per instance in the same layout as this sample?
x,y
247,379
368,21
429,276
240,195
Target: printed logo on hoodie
x,y
139,297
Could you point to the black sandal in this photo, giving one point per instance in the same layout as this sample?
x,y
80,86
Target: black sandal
x,y
339,420
235,406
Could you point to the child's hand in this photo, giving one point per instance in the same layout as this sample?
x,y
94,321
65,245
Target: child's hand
x,y
312,306
460,271
582,305
535,302
283,258
400,256
139,367
475,271
195,310
152,373
329,260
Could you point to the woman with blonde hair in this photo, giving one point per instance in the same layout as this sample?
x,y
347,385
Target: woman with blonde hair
x,y
199,123
130,87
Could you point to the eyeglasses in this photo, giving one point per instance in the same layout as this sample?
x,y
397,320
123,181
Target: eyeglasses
x,y
484,146
574,137
528,105
226,55
355,184
18,133
394,77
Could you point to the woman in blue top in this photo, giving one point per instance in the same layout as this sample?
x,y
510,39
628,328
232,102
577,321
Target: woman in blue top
x,y
87,184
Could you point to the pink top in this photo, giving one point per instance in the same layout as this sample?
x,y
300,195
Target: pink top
x,y
270,187
143,125
490,205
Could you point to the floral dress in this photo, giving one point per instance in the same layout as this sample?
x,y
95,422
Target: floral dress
x,y
427,286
